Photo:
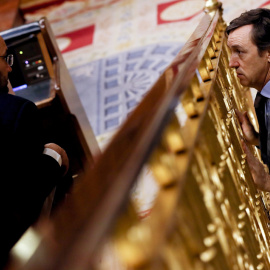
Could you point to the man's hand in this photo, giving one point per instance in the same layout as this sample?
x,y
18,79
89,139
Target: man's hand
x,y
62,153
260,177
249,132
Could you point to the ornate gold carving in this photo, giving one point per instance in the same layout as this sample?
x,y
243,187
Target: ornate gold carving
x,y
208,211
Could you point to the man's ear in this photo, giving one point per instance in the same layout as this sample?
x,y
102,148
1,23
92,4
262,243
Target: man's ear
x,y
268,55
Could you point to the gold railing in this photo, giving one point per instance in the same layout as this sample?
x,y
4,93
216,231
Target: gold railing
x,y
207,212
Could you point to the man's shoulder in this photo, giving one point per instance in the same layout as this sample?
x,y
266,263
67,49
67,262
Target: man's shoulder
x,y
13,106
13,97
9,98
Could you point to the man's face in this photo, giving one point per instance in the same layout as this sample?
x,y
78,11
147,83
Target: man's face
x,y
251,68
4,67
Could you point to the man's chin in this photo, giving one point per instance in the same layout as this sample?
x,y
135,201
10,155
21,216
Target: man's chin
x,y
243,82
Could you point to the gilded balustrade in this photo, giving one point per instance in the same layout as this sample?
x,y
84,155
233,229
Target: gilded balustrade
x,y
207,212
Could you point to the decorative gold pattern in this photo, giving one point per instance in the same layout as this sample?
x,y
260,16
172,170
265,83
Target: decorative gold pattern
x,y
208,213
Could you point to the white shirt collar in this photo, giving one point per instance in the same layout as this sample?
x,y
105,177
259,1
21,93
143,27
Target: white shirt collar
x,y
266,90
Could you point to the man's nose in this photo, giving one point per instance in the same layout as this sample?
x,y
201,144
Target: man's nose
x,y
233,62
9,68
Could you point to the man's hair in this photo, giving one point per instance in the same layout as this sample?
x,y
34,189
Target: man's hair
x,y
260,33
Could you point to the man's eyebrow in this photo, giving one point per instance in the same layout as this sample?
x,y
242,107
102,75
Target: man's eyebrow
x,y
236,47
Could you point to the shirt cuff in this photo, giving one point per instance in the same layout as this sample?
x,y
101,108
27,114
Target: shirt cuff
x,y
50,152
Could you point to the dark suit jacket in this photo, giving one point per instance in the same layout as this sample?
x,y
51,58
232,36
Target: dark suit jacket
x,y
262,107
27,176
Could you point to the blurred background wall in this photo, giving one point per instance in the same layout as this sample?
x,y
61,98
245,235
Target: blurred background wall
x,y
116,49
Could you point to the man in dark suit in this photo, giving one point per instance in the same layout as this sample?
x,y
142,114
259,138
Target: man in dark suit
x,y
249,42
28,170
